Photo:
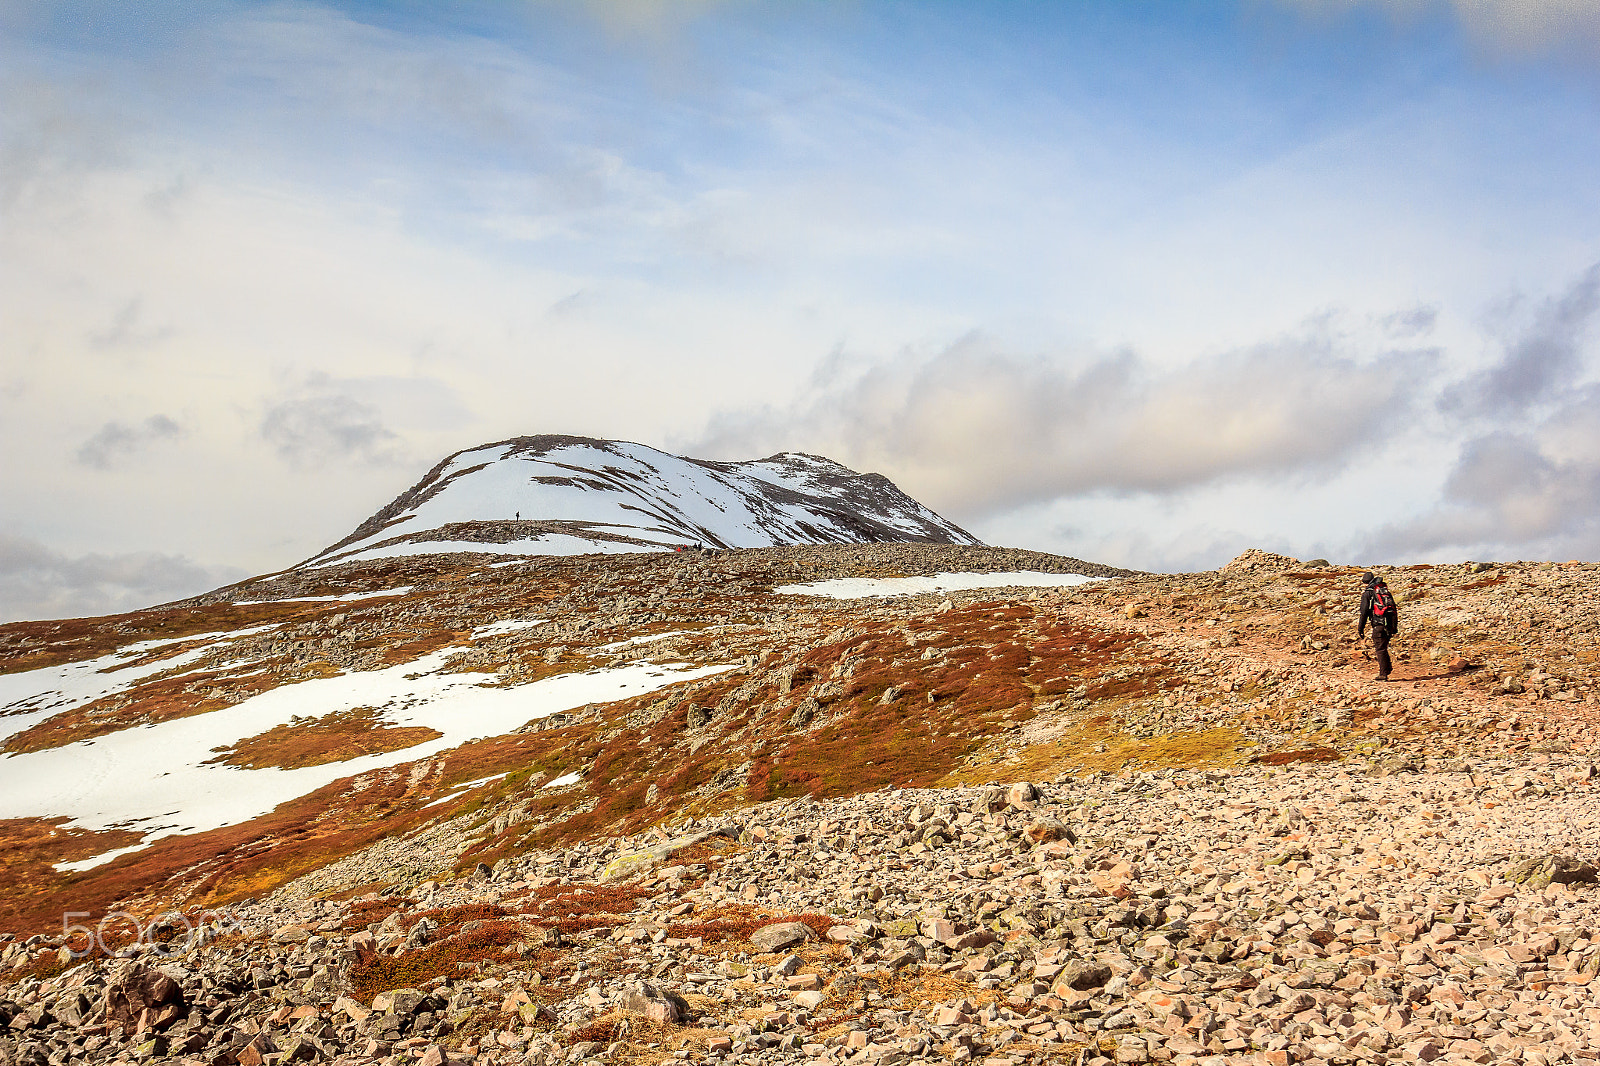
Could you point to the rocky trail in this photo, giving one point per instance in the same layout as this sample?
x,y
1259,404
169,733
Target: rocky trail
x,y
1212,838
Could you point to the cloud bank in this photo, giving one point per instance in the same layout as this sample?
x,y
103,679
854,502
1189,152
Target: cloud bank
x,y
36,582
975,430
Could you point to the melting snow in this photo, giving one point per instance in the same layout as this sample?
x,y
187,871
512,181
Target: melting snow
x,y
156,776
550,544
97,860
463,789
565,779
496,628
646,639
31,696
856,588
346,598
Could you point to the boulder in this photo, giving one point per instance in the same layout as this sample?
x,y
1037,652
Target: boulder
x,y
398,1001
140,998
1022,795
658,1005
1081,976
1044,830
1540,871
780,935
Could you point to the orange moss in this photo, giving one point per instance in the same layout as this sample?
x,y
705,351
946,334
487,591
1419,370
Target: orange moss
x,y
573,909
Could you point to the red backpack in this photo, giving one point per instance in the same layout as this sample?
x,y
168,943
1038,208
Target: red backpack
x,y
1383,611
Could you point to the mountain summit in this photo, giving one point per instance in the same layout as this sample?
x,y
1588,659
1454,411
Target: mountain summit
x,y
562,495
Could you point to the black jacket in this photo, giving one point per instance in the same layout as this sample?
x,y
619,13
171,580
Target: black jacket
x,y
1366,612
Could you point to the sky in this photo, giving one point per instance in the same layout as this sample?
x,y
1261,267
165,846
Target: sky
x,y
1144,283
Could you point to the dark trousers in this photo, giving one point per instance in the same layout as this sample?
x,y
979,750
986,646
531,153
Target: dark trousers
x,y
1380,648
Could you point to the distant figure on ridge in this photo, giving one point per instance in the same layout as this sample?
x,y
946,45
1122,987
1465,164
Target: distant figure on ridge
x,y
1378,608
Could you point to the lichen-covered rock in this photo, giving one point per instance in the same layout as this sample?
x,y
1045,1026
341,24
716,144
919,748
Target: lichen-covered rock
x,y
1540,871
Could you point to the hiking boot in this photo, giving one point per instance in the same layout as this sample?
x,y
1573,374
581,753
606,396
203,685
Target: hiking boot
x,y
1383,677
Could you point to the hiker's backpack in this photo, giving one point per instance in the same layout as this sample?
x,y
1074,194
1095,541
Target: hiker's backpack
x,y
1383,609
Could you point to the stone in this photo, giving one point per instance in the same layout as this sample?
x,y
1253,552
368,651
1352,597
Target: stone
x,y
134,990
780,935
351,1008
71,1009
658,1005
1081,976
967,941
1045,830
1022,795
1539,871
398,1001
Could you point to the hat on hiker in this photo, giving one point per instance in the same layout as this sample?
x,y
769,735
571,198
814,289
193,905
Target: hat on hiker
x,y
1369,578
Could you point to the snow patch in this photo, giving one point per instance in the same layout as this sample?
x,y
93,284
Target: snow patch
x,y
97,860
857,588
346,598
565,779
551,544
494,629
635,641
463,788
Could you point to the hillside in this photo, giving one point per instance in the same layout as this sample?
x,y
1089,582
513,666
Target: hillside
x,y
1227,815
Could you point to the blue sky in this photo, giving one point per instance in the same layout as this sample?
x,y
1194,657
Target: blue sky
x,y
1141,282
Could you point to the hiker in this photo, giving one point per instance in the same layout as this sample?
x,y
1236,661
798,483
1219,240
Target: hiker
x,y
1378,608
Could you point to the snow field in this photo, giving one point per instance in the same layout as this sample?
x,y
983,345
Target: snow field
x,y
156,779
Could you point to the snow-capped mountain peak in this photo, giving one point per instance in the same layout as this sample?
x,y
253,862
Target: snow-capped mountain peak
x,y
564,495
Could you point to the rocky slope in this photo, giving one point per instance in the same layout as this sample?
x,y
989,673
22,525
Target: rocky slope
x,y
1228,844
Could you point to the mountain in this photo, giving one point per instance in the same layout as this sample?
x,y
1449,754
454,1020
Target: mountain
x,y
570,795
564,495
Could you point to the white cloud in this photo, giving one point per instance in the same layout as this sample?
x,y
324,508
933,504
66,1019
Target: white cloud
x,y
978,430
